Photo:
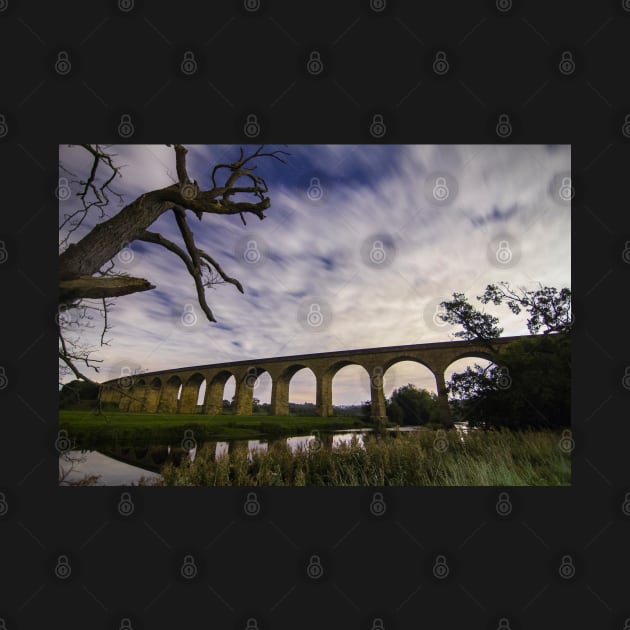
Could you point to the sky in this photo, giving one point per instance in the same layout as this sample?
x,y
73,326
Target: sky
x,y
358,248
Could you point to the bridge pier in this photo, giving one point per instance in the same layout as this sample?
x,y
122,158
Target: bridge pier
x,y
153,396
213,403
279,396
244,397
125,401
168,401
443,407
323,395
137,397
190,392
378,414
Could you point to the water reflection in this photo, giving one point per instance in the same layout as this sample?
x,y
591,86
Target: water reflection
x,y
127,465
75,466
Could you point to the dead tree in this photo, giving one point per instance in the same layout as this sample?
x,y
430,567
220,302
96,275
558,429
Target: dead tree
x,y
87,277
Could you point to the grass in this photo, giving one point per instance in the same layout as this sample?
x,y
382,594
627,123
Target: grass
x,y
89,428
493,458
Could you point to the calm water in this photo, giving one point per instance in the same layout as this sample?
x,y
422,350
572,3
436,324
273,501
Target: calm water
x,y
115,469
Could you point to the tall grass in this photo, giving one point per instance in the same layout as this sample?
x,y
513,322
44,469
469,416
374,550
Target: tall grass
x,y
493,458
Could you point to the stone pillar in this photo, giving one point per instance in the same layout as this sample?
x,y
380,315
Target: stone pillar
x,y
444,409
323,395
138,394
280,396
244,397
378,415
153,398
188,400
168,400
213,404
125,401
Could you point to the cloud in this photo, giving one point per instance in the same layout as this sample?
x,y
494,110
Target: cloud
x,y
319,246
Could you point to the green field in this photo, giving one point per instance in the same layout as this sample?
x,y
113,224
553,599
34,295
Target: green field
x,y
89,428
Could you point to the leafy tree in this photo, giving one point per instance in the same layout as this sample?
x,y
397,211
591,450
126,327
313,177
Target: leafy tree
x,y
532,386
413,406
548,308
76,391
474,323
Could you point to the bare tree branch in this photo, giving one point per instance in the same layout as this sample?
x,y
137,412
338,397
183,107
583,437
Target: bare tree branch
x,y
87,267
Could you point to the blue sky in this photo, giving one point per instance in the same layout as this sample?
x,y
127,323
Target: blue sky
x,y
374,236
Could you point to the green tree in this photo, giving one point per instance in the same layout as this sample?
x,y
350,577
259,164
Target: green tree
x,y
532,386
410,405
77,391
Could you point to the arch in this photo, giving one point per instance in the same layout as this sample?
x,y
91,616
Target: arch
x,y
358,381
471,354
391,382
169,400
213,404
152,399
281,387
190,392
303,374
405,357
262,392
201,395
332,370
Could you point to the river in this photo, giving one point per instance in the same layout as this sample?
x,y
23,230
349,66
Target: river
x,y
114,468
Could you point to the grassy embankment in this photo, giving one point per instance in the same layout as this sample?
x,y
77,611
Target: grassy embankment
x,y
89,428
493,458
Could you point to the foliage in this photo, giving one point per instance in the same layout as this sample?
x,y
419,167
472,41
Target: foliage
x,y
474,323
76,392
92,430
481,458
531,385
409,405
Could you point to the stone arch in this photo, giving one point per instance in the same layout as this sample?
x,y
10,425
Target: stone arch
x,y
168,400
473,353
213,404
281,388
152,399
390,363
330,375
190,392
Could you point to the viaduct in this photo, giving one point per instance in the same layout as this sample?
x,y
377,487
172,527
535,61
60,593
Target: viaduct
x,y
177,390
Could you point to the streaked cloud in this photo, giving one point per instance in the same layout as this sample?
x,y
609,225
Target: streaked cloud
x,y
316,244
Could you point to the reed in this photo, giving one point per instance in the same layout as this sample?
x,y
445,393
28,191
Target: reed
x,y
481,458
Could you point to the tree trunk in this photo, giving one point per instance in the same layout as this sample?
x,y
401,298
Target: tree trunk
x,y
106,239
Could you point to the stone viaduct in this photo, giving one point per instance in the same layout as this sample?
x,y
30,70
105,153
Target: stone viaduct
x,y
156,392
